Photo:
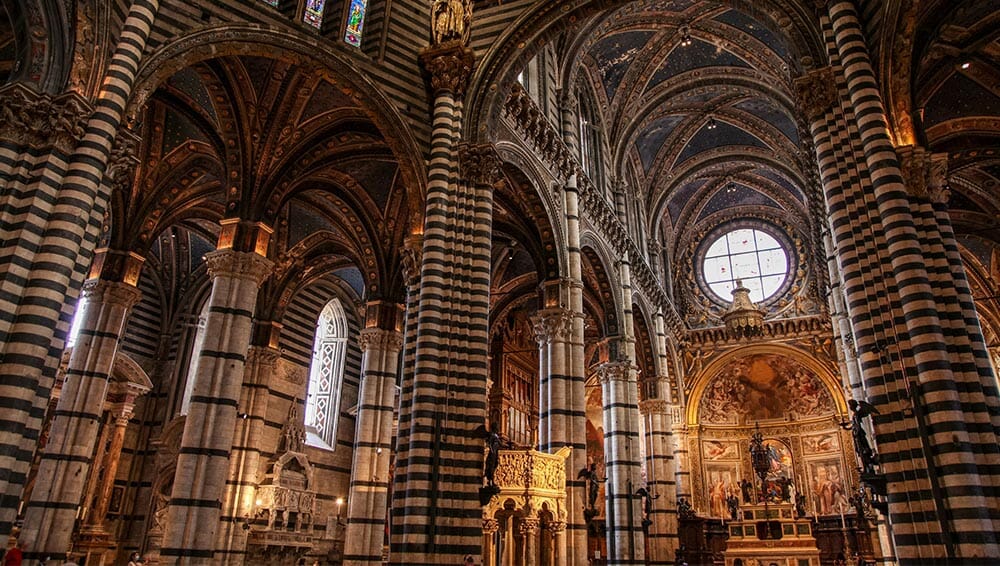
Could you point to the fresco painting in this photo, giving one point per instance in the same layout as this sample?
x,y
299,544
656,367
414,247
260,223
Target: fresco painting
x,y
764,387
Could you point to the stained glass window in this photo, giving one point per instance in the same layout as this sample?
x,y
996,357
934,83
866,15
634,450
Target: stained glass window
x,y
314,13
326,371
273,2
752,256
355,21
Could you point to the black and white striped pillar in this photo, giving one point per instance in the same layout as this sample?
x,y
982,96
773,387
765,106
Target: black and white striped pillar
x,y
244,462
623,517
199,486
367,501
46,255
51,513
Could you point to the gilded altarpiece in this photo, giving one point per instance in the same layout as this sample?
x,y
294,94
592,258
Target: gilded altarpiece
x,y
799,415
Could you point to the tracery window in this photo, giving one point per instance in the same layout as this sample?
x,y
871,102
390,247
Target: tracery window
x,y
196,346
313,14
326,372
749,254
355,22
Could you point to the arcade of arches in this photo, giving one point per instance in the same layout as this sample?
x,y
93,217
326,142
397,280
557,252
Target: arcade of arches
x,y
518,282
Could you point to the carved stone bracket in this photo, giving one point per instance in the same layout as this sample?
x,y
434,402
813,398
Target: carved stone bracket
x,y
924,173
123,160
479,164
380,339
450,66
411,255
239,265
817,91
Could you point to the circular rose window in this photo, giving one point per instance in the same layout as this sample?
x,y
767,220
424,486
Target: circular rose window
x,y
755,257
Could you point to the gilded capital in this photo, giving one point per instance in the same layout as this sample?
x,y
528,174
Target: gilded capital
x,y
380,339
817,92
551,325
238,265
99,291
490,526
616,371
480,164
450,66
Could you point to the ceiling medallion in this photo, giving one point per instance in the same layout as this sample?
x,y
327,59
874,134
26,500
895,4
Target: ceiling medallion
x,y
743,319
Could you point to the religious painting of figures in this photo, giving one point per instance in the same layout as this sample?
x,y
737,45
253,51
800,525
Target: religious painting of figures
x,y
720,483
820,443
779,477
827,486
595,440
763,387
720,450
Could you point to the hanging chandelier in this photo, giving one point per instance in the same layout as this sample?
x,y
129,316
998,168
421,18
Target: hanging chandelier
x,y
743,319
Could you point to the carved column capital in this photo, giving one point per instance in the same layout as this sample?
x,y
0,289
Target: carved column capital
x,y
264,357
616,371
528,527
450,66
556,527
99,291
924,173
480,164
651,406
817,92
490,526
380,339
39,119
238,265
552,324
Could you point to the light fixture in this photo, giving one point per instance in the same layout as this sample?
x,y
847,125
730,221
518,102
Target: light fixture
x,y
743,319
712,124
685,36
965,65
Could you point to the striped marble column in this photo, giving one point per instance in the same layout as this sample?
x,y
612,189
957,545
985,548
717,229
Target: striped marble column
x,y
244,463
192,522
661,535
553,327
369,489
46,251
569,116
918,364
436,515
63,470
623,517
576,417
411,255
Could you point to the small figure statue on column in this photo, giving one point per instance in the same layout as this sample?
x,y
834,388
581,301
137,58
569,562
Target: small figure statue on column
x,y
452,20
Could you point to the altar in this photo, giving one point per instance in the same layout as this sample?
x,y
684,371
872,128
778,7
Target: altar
x,y
770,535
